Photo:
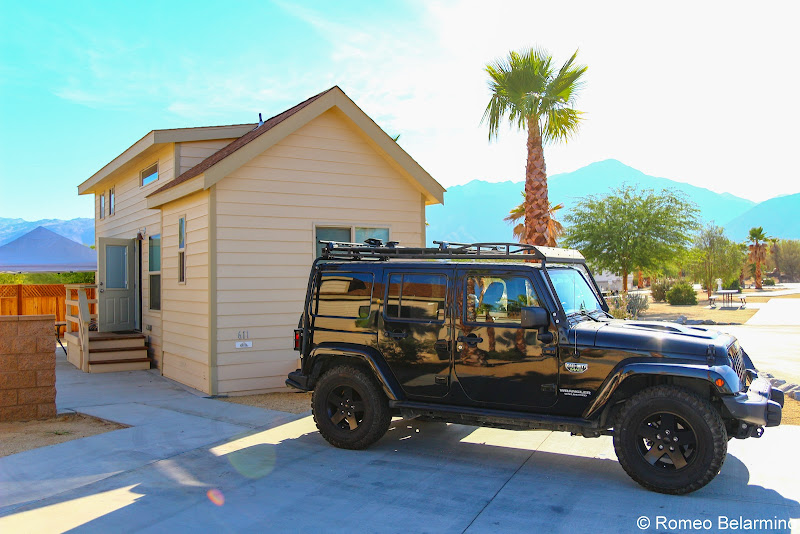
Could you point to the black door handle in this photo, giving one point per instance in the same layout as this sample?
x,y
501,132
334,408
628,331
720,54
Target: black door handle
x,y
397,334
442,345
471,339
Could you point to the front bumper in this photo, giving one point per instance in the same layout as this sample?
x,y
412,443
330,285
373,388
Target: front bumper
x,y
760,405
297,380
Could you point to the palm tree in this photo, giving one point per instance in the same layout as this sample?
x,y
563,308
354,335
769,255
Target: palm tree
x,y
758,251
534,96
554,228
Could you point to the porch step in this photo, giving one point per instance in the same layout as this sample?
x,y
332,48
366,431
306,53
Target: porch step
x,y
111,366
117,354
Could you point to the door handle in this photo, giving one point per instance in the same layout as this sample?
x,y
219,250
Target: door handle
x,y
442,345
397,334
471,339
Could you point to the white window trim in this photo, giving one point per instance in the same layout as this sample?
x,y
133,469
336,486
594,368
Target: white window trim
x,y
101,201
182,250
112,201
141,174
150,310
315,225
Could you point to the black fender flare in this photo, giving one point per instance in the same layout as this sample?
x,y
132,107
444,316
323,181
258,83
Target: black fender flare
x,y
372,357
682,370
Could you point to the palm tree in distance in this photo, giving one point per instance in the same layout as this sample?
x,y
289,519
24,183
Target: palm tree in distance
x,y
528,91
758,251
554,228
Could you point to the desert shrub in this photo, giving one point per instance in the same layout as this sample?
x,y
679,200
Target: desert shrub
x,y
681,293
733,284
659,288
628,305
768,282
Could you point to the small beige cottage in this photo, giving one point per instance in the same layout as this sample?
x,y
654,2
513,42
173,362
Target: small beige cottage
x,y
205,236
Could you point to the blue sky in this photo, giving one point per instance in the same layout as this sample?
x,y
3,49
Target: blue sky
x,y
701,93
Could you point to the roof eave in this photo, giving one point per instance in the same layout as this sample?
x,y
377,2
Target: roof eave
x,y
188,187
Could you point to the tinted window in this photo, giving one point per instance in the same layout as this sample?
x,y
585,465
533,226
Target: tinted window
x,y
416,296
345,295
498,299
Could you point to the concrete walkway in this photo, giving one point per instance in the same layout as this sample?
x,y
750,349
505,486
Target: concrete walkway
x,y
189,464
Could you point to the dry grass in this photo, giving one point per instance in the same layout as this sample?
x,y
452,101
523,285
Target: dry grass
x,y
791,412
662,311
290,401
24,436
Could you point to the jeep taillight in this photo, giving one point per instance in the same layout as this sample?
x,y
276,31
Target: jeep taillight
x,y
298,339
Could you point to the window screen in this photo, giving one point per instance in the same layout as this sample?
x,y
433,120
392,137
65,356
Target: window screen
x,y
416,296
345,295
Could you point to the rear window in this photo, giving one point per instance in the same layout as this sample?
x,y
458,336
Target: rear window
x,y
416,297
345,295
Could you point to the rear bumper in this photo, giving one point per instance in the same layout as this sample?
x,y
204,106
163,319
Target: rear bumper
x,y
297,380
760,405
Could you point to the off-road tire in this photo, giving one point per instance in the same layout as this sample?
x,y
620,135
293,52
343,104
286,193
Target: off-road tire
x,y
372,421
689,409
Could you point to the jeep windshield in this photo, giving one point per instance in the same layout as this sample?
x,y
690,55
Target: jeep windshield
x,y
574,291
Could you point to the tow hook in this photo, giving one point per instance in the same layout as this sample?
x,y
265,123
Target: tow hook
x,y
749,431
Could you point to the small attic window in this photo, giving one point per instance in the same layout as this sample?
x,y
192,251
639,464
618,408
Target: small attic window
x,y
150,174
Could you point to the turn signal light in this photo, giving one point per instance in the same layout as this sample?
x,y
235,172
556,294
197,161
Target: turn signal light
x,y
298,339
719,382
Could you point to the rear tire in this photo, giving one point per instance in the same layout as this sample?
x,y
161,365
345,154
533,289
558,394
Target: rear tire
x,y
670,440
349,408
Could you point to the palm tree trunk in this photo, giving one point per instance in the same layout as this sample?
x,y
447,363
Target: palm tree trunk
x,y
758,275
537,216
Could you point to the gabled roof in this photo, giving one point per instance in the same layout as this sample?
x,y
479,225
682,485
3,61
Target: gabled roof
x,y
215,167
153,141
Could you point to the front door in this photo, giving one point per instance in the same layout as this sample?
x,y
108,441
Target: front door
x,y
116,285
497,361
416,331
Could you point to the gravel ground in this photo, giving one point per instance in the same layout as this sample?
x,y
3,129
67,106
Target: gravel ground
x,y
292,402
791,412
24,436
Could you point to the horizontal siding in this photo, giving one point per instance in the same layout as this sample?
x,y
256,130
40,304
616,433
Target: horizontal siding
x,y
324,173
132,216
194,152
185,306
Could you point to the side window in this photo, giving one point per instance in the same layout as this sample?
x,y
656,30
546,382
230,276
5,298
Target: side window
x,y
346,295
498,299
416,297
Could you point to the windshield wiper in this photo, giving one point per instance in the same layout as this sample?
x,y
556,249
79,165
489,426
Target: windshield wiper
x,y
587,314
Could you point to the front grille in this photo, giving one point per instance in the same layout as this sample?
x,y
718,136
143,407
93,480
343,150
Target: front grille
x,y
737,363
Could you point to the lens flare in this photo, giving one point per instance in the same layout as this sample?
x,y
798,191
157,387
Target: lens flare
x,y
216,496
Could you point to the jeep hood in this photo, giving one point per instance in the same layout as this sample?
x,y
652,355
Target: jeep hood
x,y
647,336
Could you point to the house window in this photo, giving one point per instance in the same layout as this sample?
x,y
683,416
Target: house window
x,y
348,234
154,266
102,205
182,249
149,175
111,201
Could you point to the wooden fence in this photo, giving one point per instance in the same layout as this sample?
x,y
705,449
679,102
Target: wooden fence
x,y
33,299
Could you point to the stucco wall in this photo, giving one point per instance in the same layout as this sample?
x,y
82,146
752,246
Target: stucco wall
x,y
27,367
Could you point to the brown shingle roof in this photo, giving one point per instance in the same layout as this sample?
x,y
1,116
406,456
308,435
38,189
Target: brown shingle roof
x,y
236,144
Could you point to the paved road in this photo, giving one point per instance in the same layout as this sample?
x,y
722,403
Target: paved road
x,y
200,465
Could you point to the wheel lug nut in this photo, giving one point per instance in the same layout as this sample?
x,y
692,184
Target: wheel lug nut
x,y
658,436
672,449
661,447
667,432
675,438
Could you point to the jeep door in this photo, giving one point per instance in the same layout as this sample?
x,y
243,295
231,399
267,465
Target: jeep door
x,y
415,329
496,361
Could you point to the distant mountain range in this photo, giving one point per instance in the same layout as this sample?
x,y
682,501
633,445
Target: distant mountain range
x,y
474,212
80,230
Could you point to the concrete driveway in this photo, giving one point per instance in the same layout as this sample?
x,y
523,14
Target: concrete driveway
x,y
200,465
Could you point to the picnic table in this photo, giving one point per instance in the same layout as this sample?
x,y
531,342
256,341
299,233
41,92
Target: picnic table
x,y
727,295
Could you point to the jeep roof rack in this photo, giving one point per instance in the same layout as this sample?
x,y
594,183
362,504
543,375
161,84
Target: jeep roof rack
x,y
374,249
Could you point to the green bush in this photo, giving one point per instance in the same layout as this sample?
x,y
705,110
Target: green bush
x,y
681,293
659,288
733,284
627,305
768,282
637,303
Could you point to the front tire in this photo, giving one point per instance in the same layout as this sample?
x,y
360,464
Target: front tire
x,y
670,440
349,408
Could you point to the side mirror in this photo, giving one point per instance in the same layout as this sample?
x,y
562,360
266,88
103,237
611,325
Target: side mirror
x,y
533,317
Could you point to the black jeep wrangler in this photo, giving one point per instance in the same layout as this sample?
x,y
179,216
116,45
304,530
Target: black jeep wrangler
x,y
462,333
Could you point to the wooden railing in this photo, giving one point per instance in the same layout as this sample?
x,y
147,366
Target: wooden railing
x,y
33,299
80,301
